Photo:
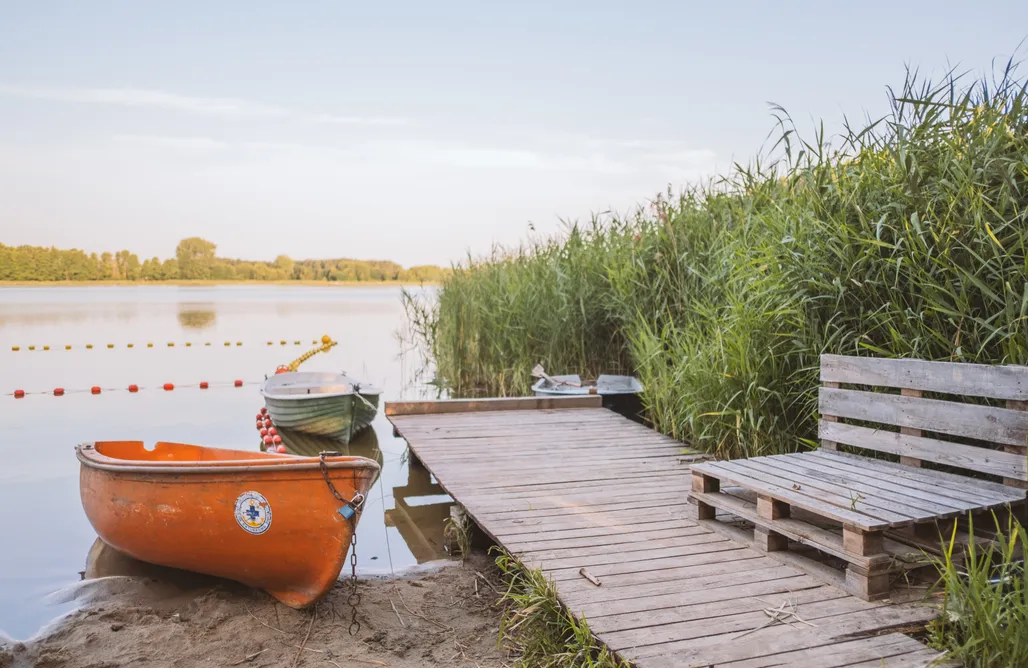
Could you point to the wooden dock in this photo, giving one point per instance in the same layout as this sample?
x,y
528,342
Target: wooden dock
x,y
565,485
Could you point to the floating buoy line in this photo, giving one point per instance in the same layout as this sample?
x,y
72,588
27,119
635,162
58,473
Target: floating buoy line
x,y
169,344
326,344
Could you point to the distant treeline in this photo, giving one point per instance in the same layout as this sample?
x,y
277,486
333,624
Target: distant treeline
x,y
195,259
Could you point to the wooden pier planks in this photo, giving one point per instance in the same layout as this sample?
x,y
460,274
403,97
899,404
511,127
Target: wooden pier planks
x,y
570,485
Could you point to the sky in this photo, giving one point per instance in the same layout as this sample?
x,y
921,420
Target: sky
x,y
421,132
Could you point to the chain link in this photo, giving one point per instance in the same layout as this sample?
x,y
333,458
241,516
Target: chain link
x,y
354,599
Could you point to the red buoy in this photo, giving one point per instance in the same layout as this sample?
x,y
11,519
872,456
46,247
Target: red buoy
x,y
273,431
264,411
133,388
239,383
281,449
18,394
267,440
95,389
282,369
267,423
58,391
264,432
204,385
276,439
169,386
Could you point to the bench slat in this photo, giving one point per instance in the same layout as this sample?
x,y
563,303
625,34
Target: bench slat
x,y
975,380
983,460
767,468
989,493
726,471
986,423
866,485
924,493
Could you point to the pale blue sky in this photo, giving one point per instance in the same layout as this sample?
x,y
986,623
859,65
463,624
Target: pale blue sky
x,y
417,131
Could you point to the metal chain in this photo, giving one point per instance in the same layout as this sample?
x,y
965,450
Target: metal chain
x,y
354,599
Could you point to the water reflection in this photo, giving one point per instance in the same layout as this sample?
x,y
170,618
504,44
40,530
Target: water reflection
x,y
365,444
420,513
197,316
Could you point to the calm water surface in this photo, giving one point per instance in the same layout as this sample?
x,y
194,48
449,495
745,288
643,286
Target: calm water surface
x,y
45,534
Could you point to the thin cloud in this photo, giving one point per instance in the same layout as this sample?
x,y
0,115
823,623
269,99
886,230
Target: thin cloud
x,y
142,98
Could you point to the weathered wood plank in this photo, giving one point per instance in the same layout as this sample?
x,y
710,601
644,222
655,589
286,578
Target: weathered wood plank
x,y
875,648
878,505
985,423
828,505
972,458
973,380
726,646
506,404
984,490
922,495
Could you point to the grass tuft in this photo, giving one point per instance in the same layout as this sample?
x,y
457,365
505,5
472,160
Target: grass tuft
x,y
984,621
539,629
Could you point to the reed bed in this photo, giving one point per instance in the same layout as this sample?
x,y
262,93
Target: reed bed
x,y
904,237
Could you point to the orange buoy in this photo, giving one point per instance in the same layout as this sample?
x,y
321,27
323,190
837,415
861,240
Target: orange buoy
x,y
189,344
204,385
32,347
169,386
239,343
171,344
228,343
282,369
46,347
67,347
58,391
95,389
15,348
18,394
89,346
133,388
131,345
110,345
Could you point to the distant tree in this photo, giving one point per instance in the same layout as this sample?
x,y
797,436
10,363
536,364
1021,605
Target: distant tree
x,y
170,269
195,258
285,264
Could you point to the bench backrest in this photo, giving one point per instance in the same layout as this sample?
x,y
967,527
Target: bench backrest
x,y
1002,432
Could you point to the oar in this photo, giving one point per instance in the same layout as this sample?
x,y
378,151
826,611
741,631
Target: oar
x,y
539,372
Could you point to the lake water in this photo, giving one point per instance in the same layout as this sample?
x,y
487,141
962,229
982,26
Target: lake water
x,y
46,536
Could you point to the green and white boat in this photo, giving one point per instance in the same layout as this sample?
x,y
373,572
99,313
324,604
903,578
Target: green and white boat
x,y
331,405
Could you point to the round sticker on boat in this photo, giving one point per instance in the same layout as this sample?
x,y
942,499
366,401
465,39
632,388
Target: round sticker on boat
x,y
253,512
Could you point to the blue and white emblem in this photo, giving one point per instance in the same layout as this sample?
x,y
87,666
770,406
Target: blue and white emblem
x,y
253,513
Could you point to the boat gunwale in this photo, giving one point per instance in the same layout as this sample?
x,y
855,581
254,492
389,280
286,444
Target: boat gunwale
x,y
274,463
334,395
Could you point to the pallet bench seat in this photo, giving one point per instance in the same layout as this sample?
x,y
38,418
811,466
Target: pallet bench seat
x,y
864,496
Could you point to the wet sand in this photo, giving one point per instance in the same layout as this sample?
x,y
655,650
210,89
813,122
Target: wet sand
x,y
445,615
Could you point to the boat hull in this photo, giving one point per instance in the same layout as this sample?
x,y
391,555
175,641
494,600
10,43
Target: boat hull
x,y
186,506
338,417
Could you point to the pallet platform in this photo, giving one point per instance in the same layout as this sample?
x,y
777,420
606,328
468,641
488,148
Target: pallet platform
x,y
572,486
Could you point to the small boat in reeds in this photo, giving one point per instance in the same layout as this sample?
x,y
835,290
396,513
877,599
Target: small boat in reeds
x,y
332,405
620,393
276,522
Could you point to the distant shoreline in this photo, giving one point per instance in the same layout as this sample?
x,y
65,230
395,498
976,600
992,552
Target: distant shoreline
x,y
182,283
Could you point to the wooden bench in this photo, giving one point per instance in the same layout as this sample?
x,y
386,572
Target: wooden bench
x,y
870,496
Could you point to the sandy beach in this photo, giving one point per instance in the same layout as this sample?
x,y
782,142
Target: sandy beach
x,y
443,614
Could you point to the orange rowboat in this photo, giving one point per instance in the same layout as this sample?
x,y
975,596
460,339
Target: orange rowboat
x,y
272,521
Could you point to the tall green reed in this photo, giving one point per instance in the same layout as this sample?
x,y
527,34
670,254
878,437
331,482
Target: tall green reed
x,y
984,620
907,237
